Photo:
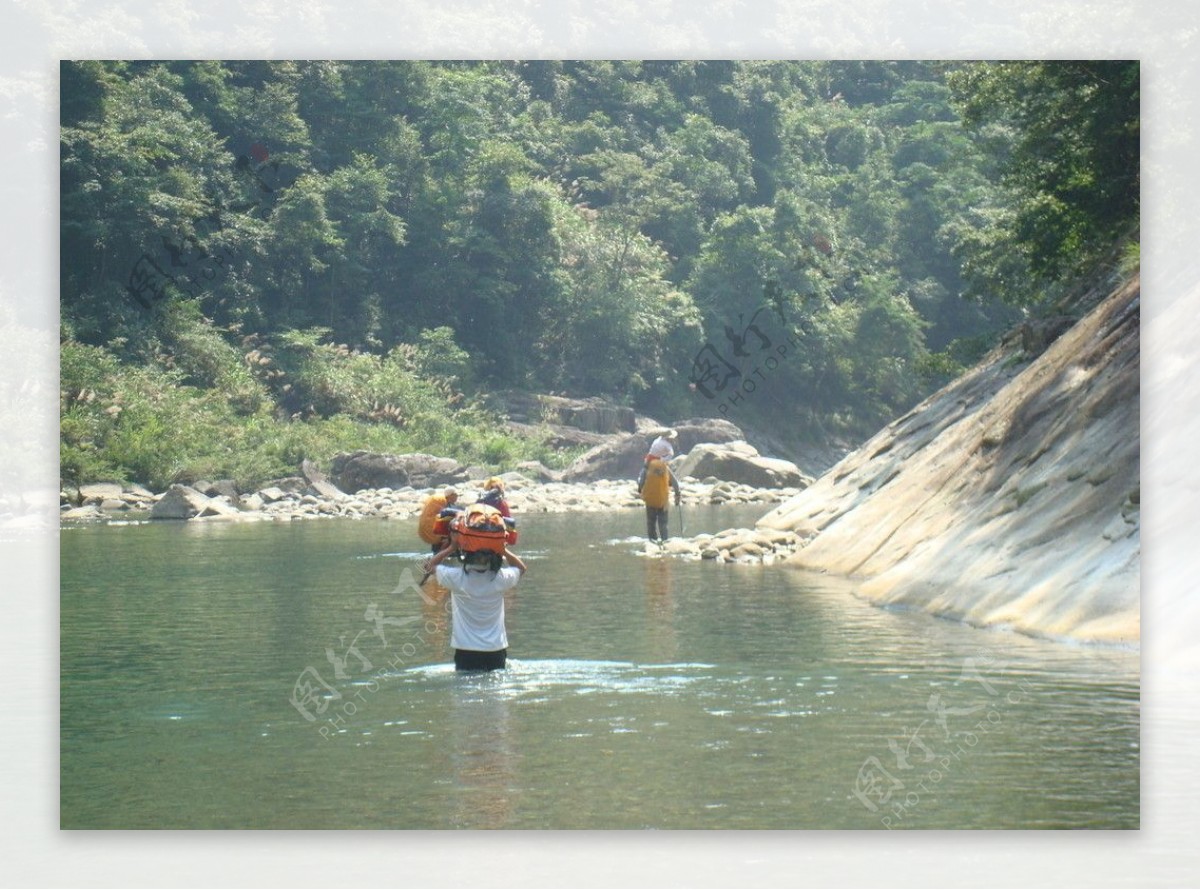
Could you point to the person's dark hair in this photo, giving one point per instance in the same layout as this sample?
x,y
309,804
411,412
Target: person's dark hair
x,y
481,560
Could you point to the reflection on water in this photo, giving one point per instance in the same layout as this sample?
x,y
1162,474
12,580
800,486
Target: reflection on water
x,y
640,693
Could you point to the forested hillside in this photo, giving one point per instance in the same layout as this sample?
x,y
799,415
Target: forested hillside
x,y
264,261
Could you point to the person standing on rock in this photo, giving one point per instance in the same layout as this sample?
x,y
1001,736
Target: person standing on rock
x,y
655,483
433,532
478,633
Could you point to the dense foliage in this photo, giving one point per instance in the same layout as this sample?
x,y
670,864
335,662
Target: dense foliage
x,y
265,260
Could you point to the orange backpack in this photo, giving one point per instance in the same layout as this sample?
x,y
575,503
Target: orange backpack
x,y
480,527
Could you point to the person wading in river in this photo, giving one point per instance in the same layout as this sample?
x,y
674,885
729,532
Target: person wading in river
x,y
655,483
477,587
431,531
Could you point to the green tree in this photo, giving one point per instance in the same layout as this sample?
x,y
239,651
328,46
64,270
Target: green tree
x,y
1069,132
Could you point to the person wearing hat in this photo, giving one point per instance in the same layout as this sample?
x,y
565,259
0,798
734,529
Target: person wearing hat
x,y
493,494
432,526
664,446
655,484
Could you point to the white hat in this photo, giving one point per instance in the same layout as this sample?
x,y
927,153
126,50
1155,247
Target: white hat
x,y
662,448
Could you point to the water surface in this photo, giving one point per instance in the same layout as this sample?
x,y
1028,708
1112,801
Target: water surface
x,y
642,693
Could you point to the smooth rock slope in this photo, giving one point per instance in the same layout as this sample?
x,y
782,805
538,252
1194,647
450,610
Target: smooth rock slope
x,y
1011,497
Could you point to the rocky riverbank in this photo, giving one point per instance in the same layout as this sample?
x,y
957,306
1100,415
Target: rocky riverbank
x,y
296,498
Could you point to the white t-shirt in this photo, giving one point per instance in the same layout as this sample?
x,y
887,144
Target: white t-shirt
x,y
477,606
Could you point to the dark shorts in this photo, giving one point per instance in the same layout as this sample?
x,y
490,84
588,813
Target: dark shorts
x,y
470,660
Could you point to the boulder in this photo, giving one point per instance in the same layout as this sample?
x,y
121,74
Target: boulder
x,y
741,463
619,459
357,470
593,415
219,507
537,470
702,430
530,411
253,502
91,511
323,489
295,484
311,472
222,488
180,502
98,492
556,435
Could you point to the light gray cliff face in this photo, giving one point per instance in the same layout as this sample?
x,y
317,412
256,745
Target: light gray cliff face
x,y
1011,497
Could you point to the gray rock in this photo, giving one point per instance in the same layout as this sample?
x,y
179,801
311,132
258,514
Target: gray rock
x,y
620,458
352,472
741,463
324,489
593,415
91,511
97,492
219,507
221,488
180,502
704,430
252,502
311,472
270,494
748,548
537,470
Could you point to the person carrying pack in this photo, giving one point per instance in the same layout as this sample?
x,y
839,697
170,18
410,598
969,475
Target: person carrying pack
x,y
655,483
482,528
478,537
432,526
493,496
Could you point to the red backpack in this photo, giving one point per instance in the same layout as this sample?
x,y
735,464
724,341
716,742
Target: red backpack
x,y
480,527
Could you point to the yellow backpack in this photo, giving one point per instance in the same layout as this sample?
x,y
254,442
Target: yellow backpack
x,y
656,490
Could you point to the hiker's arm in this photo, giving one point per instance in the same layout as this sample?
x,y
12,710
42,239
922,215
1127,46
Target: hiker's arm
x,y
514,560
436,560
675,485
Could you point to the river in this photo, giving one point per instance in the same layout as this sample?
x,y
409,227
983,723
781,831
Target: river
x,y
290,675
